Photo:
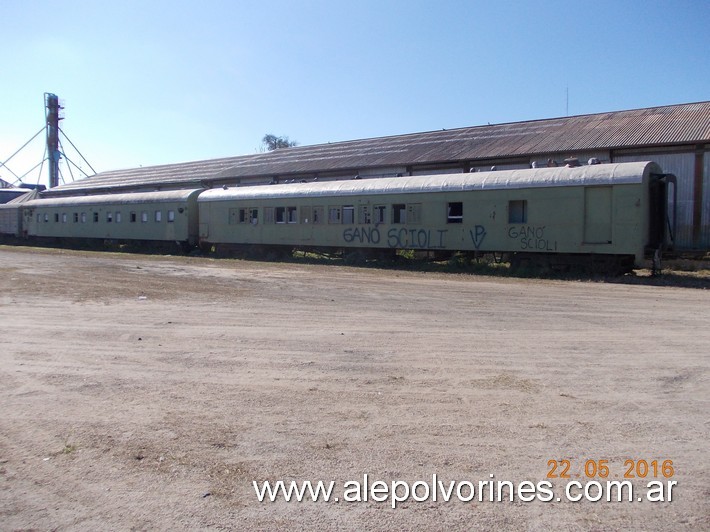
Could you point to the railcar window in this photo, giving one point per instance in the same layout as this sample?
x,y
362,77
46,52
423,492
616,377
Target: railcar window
x,y
132,217
46,217
242,216
268,215
158,216
518,211
334,215
280,213
306,215
254,216
455,213
317,215
380,214
171,216
56,217
399,213
64,217
363,216
348,214
76,217
292,215
144,217
109,217
118,217
96,217
414,213
39,217
83,217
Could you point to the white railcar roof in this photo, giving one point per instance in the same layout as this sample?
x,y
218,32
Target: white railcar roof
x,y
598,174
163,196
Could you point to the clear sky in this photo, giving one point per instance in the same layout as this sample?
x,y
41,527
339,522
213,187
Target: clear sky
x,y
148,82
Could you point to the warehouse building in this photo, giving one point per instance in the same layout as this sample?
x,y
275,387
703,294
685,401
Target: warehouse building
x,y
677,137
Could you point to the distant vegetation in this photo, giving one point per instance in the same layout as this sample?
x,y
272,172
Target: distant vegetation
x,y
272,142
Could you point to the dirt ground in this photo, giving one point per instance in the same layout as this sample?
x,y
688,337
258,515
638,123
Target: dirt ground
x,y
145,392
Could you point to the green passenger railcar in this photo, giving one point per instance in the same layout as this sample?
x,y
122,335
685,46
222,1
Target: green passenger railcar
x,y
614,210
147,216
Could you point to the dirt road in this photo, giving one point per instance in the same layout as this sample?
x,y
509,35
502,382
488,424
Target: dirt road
x,y
142,392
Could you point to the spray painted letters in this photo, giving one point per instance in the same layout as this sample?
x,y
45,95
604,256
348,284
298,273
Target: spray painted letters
x,y
532,238
399,238
478,233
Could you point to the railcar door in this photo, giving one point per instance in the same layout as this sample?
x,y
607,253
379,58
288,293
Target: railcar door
x,y
661,222
597,215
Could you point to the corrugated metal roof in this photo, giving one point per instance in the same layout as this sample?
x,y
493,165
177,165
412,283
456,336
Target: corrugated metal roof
x,y
656,126
598,174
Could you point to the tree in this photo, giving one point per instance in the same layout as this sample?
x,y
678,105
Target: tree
x,y
272,142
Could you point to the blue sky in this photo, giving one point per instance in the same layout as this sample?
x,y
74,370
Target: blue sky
x,y
157,82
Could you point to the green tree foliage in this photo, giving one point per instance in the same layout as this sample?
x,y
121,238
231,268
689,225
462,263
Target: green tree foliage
x,y
272,142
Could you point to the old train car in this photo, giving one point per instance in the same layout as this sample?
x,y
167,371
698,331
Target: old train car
x,y
165,216
10,220
11,215
612,210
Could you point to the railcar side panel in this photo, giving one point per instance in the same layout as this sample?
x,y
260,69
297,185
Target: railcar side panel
x,y
11,220
144,216
576,219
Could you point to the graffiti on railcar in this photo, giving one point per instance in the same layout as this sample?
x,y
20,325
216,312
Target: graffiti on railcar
x,y
532,238
362,235
478,233
397,238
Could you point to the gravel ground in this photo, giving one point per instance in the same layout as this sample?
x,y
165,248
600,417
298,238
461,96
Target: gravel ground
x,y
147,392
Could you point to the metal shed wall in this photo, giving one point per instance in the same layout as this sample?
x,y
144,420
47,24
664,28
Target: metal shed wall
x,y
389,171
439,171
682,165
602,155
705,221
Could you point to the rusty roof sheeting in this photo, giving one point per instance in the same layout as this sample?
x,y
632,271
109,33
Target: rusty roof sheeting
x,y
656,126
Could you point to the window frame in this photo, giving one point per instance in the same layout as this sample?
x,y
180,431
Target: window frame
x,y
457,216
348,214
335,214
517,212
399,214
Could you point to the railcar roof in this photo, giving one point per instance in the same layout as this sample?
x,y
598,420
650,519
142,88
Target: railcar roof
x,y
116,199
599,174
